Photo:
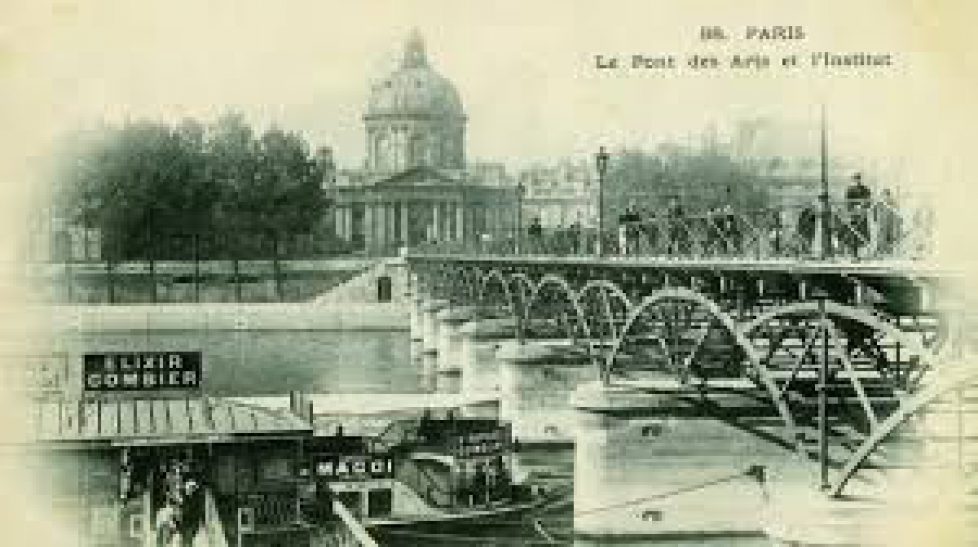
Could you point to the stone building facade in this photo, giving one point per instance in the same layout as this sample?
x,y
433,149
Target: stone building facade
x,y
416,186
560,195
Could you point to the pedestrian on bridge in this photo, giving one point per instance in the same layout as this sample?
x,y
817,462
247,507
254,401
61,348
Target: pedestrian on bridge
x,y
713,231
676,228
807,228
857,205
628,223
535,233
649,230
574,233
888,222
775,231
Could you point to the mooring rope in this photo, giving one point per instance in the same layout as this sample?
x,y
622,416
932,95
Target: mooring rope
x,y
756,471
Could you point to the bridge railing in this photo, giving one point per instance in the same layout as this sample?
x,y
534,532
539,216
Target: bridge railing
x,y
860,230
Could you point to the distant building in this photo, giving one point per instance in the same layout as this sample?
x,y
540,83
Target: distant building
x,y
560,195
415,186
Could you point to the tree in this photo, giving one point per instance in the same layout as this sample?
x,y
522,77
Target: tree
x,y
148,182
231,154
699,179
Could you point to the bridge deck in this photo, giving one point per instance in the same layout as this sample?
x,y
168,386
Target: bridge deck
x,y
882,268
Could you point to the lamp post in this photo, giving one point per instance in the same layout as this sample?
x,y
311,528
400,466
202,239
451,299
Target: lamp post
x,y
519,217
824,197
601,161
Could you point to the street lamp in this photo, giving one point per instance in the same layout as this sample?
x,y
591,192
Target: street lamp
x,y
519,216
601,161
824,197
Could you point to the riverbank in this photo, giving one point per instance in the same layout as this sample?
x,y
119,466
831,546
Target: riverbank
x,y
184,282
228,317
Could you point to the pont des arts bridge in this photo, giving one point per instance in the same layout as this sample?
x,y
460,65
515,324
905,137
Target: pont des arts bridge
x,y
805,395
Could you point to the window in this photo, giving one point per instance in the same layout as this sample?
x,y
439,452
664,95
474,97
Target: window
x,y
136,524
275,469
384,292
246,519
652,515
652,430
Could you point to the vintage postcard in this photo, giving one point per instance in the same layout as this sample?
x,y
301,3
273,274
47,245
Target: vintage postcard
x,y
323,273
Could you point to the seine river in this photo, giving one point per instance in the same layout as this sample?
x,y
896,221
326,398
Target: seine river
x,y
274,362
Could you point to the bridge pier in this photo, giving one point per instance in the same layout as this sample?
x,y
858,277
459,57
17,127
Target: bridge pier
x,y
450,321
429,324
417,317
536,378
480,340
653,462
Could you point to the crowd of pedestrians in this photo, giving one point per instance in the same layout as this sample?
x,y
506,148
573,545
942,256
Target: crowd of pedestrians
x,y
860,227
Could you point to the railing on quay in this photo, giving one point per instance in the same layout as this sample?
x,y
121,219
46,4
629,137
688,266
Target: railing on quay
x,y
871,230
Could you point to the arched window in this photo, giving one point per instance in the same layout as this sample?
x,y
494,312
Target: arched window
x,y
417,156
382,157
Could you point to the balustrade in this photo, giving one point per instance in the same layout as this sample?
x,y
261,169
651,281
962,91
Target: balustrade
x,y
877,230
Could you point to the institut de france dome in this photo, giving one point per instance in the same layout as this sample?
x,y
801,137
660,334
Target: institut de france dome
x,y
415,185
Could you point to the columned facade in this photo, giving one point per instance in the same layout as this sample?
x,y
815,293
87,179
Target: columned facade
x,y
415,187
422,211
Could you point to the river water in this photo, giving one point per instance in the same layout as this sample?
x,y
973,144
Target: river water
x,y
274,362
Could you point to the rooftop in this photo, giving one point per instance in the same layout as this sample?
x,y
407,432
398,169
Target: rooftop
x,y
126,422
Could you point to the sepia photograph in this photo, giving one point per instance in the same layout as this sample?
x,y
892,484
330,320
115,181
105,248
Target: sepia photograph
x,y
323,273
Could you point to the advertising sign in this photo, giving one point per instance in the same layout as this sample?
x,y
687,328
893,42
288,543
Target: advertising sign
x,y
482,443
354,467
142,371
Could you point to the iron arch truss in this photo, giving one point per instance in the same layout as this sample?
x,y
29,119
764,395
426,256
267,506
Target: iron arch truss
x,y
700,326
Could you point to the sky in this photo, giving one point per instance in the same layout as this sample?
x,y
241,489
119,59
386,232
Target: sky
x,y
526,73
524,69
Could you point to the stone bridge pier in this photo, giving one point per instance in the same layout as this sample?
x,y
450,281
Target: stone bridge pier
x,y
536,379
417,302
705,396
430,325
480,339
450,321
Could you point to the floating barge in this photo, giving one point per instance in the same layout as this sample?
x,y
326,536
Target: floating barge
x,y
271,468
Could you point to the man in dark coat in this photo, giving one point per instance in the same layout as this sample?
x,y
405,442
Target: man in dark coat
x,y
192,516
857,205
676,227
807,226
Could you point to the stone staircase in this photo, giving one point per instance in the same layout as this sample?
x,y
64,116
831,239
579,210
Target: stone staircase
x,y
364,287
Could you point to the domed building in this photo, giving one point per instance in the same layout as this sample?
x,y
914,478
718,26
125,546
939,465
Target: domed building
x,y
416,186
414,117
